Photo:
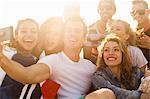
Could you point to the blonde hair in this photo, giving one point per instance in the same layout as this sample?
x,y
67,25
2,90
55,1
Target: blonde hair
x,y
128,30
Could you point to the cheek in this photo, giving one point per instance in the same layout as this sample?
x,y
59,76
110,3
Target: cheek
x,y
104,57
120,57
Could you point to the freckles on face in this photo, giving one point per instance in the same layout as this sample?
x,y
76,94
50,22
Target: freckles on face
x,y
112,54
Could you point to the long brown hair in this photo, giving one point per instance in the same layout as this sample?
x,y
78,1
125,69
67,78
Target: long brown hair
x,y
126,65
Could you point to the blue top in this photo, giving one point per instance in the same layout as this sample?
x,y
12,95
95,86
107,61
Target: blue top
x,y
105,79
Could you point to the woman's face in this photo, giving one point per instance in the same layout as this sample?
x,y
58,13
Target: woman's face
x,y
119,29
27,35
112,54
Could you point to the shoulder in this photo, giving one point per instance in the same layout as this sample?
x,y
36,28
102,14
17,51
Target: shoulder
x,y
134,49
9,52
49,58
88,64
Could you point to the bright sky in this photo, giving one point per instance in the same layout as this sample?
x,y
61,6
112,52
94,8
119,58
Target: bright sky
x,y
13,10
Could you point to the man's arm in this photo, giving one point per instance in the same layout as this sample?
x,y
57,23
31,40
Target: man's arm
x,y
26,75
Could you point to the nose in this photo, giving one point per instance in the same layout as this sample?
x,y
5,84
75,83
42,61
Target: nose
x,y
111,51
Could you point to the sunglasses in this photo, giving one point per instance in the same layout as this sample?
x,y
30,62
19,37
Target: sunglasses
x,y
140,12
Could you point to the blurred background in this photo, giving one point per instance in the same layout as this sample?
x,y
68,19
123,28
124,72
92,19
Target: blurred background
x,y
13,10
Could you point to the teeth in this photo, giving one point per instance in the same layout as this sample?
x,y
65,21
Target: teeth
x,y
111,59
28,40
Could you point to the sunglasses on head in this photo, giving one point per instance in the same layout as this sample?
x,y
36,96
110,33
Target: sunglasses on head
x,y
140,12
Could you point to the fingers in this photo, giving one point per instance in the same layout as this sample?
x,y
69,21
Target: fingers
x,y
145,85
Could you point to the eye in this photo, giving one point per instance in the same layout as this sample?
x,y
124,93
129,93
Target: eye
x,y
106,50
116,49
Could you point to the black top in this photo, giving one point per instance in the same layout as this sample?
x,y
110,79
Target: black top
x,y
145,51
11,89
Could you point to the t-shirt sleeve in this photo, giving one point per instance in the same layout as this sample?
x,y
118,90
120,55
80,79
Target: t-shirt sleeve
x,y
48,61
140,58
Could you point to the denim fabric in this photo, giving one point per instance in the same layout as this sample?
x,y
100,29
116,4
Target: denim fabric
x,y
105,79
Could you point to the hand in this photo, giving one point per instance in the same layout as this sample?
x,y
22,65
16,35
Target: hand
x,y
145,85
145,96
144,41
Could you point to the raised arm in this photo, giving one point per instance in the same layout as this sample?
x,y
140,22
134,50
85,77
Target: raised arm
x,y
26,75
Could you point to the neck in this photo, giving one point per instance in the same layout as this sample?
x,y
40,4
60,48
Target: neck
x,y
23,52
74,56
116,71
145,25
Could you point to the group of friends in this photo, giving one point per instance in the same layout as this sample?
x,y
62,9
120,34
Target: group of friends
x,y
45,62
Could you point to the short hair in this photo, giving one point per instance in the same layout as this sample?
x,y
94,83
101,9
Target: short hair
x,y
50,22
134,2
112,2
78,19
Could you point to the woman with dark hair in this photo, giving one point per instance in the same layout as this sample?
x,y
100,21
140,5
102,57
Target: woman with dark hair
x,y
115,70
25,39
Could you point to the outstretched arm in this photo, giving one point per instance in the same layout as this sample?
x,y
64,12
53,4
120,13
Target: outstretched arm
x,y
32,74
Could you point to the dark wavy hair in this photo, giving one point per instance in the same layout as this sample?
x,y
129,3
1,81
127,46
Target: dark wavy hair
x,y
126,65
